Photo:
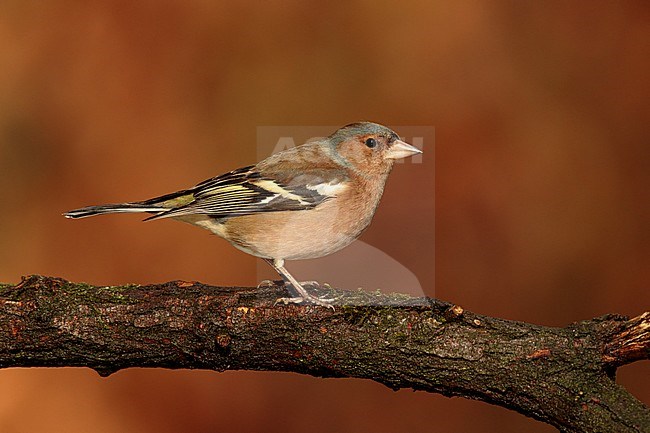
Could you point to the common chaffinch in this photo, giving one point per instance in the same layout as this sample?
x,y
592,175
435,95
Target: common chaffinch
x,y
302,203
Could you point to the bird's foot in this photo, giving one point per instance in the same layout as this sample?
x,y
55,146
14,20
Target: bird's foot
x,y
303,296
308,299
323,302
310,284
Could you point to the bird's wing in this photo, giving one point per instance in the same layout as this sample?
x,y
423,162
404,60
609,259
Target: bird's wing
x,y
248,191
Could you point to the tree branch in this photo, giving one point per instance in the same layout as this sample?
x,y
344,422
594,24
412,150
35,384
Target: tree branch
x,y
562,376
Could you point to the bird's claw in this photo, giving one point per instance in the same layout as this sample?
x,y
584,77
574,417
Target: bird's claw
x,y
266,283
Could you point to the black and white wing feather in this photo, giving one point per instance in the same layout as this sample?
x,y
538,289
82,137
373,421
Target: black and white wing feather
x,y
246,191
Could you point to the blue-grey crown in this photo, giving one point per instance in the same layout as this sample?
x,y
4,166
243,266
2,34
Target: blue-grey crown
x,y
362,128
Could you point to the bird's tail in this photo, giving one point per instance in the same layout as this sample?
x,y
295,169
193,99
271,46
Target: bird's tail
x,y
89,211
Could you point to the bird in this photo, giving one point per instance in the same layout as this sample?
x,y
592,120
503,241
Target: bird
x,y
304,202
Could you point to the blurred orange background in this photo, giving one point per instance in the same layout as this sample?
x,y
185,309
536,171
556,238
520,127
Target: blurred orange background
x,y
541,166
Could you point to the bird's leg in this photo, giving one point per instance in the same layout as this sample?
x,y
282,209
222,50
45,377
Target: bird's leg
x,y
303,295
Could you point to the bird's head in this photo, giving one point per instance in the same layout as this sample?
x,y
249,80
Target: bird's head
x,y
369,147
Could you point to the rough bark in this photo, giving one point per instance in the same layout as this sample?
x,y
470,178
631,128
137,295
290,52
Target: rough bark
x,y
562,376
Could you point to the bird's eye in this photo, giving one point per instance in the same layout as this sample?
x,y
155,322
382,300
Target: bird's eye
x,y
371,142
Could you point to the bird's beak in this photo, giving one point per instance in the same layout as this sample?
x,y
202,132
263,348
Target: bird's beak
x,y
399,149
